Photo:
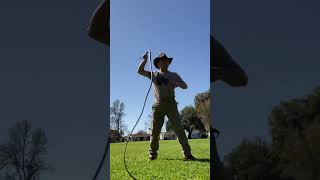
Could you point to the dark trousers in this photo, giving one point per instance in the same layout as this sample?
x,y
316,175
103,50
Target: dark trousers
x,y
169,109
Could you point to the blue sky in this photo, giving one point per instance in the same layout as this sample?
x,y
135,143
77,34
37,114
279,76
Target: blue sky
x,y
181,30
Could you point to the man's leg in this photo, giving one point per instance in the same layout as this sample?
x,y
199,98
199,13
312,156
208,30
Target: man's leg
x,y
157,123
174,117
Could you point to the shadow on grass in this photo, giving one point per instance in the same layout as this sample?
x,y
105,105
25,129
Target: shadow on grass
x,y
199,160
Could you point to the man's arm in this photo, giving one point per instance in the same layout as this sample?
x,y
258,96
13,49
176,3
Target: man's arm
x,y
141,68
178,82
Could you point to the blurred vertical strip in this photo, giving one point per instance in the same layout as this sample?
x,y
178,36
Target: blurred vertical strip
x,y
223,68
99,30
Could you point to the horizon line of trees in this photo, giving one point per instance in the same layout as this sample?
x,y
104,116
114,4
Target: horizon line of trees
x,y
193,117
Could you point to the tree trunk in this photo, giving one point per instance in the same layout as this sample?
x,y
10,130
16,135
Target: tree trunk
x,y
118,129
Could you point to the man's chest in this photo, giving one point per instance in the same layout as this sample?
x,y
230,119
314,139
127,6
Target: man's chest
x,y
162,80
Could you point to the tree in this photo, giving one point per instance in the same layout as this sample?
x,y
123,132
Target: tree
x,y
116,117
202,107
295,130
294,152
190,120
168,126
148,123
23,156
250,161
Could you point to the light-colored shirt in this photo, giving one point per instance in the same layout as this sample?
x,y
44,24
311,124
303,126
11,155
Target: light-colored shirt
x,y
163,89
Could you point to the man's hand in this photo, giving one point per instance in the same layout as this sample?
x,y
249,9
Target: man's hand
x,y
142,65
177,82
145,57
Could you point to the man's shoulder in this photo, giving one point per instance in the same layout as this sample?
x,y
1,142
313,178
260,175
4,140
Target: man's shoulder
x,y
154,73
174,73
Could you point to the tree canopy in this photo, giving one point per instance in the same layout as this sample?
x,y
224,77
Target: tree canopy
x,y
294,152
23,156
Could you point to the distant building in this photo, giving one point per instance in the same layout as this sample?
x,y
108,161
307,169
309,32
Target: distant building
x,y
196,134
171,135
168,136
140,136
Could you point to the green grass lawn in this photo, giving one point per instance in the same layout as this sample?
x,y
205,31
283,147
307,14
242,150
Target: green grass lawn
x,y
168,165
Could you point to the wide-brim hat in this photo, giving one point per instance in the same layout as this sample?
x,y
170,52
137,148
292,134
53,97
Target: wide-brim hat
x,y
224,67
161,56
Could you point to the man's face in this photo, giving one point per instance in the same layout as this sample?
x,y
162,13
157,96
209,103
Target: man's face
x,y
163,64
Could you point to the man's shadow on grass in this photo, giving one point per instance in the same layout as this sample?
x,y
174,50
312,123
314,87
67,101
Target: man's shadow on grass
x,y
199,160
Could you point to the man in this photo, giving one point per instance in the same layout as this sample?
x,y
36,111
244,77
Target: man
x,y
222,65
164,82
